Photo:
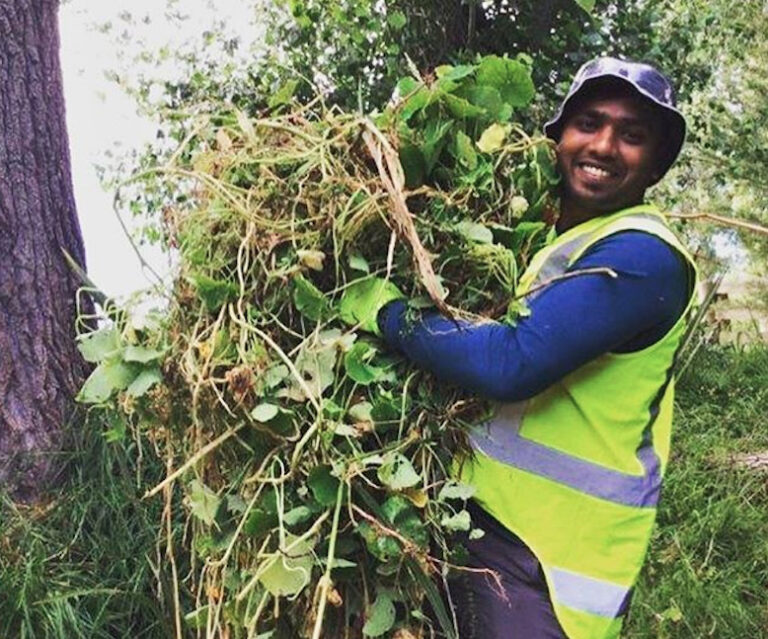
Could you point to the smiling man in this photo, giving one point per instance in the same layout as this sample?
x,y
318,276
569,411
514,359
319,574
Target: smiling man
x,y
567,473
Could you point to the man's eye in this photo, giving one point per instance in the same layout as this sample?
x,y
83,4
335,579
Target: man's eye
x,y
632,136
587,124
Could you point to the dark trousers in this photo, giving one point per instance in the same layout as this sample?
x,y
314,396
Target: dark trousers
x,y
515,607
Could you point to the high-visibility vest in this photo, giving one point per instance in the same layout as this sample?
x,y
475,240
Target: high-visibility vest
x,y
576,471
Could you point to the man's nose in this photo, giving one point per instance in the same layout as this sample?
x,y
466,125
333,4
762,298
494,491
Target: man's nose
x,y
603,142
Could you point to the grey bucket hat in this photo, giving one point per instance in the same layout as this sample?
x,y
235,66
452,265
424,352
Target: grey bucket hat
x,y
647,81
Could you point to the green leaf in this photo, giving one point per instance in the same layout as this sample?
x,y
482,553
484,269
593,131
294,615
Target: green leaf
x,y
524,234
414,95
316,366
448,72
357,366
397,472
587,5
443,87
462,108
397,20
455,490
459,521
511,77
99,345
145,380
117,430
673,613
464,150
264,412
263,518
397,508
108,377
403,516
381,616
310,300
141,354
278,419
407,85
413,165
434,139
283,95
297,516
383,547
273,376
475,232
289,571
324,485
214,293
358,263
202,501
361,412
516,309
489,100
236,504
492,139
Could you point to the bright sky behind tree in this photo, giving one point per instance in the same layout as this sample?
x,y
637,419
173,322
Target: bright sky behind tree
x,y
99,42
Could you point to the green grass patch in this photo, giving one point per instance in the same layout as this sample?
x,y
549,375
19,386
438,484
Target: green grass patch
x,y
83,564
707,573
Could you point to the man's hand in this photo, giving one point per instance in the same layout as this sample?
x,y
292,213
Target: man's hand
x,y
361,302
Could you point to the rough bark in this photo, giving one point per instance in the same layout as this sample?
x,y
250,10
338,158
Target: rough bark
x,y
40,368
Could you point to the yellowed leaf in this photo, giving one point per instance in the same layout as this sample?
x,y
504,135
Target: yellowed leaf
x,y
493,138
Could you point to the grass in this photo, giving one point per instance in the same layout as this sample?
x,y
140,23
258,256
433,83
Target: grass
x,y
707,574
80,564
85,564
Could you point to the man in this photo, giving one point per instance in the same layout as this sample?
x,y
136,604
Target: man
x,y
568,471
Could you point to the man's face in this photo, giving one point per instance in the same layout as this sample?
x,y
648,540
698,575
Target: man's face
x,y
608,153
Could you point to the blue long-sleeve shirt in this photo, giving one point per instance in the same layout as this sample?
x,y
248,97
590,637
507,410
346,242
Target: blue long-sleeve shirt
x,y
572,321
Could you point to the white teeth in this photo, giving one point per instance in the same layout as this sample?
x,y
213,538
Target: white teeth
x,y
595,170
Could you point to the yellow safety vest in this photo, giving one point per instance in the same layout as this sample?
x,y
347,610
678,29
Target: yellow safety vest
x,y
576,471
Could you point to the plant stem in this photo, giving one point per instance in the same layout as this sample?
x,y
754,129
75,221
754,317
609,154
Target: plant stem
x,y
325,582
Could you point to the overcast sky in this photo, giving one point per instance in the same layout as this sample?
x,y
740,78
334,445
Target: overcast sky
x,y
99,37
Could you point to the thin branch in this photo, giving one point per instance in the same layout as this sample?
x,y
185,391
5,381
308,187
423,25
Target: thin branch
x,y
751,461
597,270
722,220
391,173
193,460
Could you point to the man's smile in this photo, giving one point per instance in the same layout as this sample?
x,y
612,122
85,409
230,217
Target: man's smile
x,y
595,172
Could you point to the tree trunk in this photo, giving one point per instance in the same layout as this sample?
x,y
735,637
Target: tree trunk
x,y
40,368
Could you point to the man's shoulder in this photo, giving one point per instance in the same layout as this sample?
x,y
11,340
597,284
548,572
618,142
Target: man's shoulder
x,y
636,251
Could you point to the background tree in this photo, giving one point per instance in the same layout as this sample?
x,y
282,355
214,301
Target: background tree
x,y
40,368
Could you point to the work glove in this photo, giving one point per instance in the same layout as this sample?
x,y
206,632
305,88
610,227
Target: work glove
x,y
361,302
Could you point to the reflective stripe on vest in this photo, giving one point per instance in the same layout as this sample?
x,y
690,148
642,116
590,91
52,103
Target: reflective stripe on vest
x,y
559,259
591,595
500,439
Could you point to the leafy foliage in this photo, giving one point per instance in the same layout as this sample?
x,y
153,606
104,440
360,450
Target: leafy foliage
x,y
317,462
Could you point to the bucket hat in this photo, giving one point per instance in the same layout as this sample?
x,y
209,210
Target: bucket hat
x,y
645,80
